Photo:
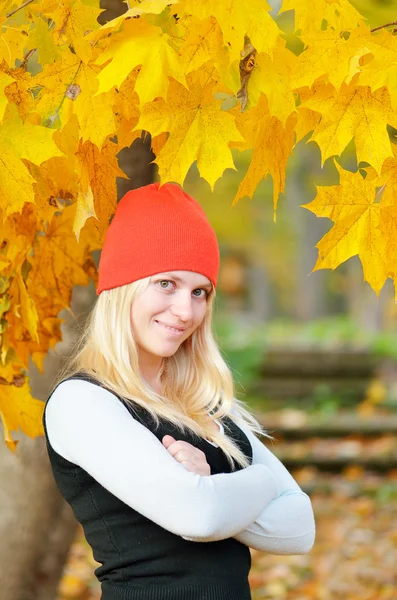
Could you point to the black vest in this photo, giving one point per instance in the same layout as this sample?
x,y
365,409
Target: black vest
x,y
139,559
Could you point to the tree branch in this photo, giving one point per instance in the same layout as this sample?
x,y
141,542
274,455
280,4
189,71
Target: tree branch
x,y
25,60
383,26
19,8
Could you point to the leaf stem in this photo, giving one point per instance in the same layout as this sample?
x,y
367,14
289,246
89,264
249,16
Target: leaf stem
x,y
29,55
383,26
380,190
8,15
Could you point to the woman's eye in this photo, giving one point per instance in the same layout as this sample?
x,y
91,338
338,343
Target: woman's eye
x,y
165,284
202,293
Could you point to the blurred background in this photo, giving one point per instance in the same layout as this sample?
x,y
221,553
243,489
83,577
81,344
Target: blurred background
x,y
314,355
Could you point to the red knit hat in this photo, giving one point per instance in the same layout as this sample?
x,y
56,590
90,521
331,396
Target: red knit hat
x,y
155,230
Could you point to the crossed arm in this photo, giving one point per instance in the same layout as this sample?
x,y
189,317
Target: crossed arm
x,y
88,426
286,525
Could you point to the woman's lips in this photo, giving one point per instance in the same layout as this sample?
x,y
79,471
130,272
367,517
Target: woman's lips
x,y
171,330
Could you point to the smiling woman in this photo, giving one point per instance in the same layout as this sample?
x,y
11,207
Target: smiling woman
x,y
169,310
147,442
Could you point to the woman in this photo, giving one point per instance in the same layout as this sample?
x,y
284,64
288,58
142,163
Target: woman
x,y
147,443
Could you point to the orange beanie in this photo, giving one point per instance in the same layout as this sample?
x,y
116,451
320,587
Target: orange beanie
x,y
155,230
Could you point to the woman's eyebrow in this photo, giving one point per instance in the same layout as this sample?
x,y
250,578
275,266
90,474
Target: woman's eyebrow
x,y
180,280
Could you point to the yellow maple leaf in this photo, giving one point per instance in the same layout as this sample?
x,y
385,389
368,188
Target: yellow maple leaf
x,y
238,19
73,21
147,45
16,341
340,15
356,214
353,111
387,187
54,81
382,69
19,410
137,8
202,44
126,111
306,121
5,7
198,130
94,112
85,209
272,76
56,183
25,306
19,95
17,234
5,80
328,54
272,144
59,261
42,38
12,44
99,169
21,141
25,316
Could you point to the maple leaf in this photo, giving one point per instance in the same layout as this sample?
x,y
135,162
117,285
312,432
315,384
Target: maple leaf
x,y
353,111
272,76
55,183
137,8
54,81
73,20
198,130
42,38
94,112
147,45
5,80
19,410
99,169
237,20
340,15
19,95
202,44
382,69
387,184
60,262
272,144
126,111
328,54
21,141
352,207
12,44
26,307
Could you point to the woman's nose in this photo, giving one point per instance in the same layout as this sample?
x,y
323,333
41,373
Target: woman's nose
x,y
182,306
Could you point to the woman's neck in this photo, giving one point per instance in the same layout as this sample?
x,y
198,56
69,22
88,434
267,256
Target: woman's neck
x,y
150,371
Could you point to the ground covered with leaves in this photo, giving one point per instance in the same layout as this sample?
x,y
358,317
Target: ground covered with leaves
x,y
354,556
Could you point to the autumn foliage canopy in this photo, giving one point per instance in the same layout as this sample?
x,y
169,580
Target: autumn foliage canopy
x,y
202,78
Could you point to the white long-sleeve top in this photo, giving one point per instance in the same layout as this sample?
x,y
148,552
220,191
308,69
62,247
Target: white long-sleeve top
x,y
262,506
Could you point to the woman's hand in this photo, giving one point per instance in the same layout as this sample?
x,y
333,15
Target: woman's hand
x,y
189,456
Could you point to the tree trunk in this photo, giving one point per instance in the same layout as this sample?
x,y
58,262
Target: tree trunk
x,y
37,527
310,300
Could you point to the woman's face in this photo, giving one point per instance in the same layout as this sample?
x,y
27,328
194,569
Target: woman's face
x,y
168,311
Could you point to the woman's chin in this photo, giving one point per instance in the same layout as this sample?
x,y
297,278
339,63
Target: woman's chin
x,y
167,350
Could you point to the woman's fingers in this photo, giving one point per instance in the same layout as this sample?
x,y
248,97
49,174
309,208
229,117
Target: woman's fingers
x,y
168,440
176,446
192,458
189,466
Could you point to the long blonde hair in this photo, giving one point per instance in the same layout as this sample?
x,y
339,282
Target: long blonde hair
x,y
195,380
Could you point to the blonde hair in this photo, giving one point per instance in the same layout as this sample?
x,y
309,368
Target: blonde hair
x,y
195,380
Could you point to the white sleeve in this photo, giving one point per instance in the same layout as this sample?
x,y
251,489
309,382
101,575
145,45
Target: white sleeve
x,y
286,525
90,427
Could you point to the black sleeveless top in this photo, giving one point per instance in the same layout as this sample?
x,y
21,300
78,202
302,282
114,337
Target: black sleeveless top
x,y
139,559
